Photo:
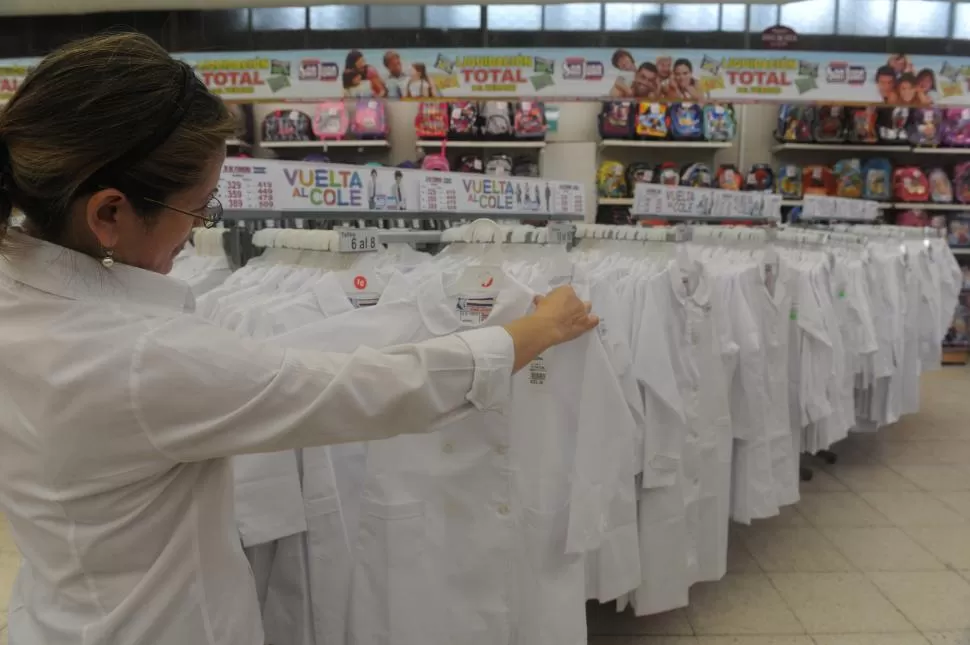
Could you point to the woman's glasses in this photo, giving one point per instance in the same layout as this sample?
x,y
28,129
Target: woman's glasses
x,y
210,214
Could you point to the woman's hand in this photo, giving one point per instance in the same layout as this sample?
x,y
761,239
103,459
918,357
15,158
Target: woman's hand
x,y
559,317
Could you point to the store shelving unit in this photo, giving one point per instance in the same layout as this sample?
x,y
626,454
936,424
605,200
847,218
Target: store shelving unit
x,y
615,201
635,143
511,145
337,143
840,147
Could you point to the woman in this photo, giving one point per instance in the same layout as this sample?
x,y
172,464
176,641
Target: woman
x,y
683,85
357,63
119,407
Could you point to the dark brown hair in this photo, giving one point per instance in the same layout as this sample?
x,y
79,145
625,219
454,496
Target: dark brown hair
x,y
106,111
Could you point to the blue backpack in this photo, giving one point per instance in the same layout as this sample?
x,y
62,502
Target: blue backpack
x,y
720,123
877,180
686,121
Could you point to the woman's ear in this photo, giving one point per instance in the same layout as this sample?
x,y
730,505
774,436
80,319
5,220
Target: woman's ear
x,y
105,211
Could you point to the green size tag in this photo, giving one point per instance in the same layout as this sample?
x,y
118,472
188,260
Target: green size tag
x,y
794,314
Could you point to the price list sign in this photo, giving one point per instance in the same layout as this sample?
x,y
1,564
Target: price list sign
x,y
246,186
670,201
438,194
568,198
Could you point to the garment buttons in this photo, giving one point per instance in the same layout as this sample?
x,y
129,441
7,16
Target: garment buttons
x,y
503,509
447,448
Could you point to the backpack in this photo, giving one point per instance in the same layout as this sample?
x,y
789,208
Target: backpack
x,y
317,157
926,127
910,184
892,125
464,120
761,178
817,180
941,190
848,178
431,121
496,122
877,180
720,124
616,120
668,174
330,120
795,123
728,177
530,120
830,124
370,120
638,173
525,167
686,121
471,163
861,126
499,165
956,127
790,182
652,121
611,180
918,219
437,162
696,175
961,182
287,125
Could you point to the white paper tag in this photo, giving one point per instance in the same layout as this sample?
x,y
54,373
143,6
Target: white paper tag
x,y
560,233
474,311
358,240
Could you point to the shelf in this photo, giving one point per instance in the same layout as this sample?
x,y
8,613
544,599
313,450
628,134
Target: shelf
x,y
960,251
928,206
839,147
942,151
237,142
342,143
633,143
797,202
615,201
481,144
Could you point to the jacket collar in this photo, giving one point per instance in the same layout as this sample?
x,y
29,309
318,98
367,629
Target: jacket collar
x,y
69,274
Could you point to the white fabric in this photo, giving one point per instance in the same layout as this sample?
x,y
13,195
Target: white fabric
x,y
122,409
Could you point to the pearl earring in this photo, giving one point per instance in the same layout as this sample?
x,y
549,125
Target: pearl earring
x,y
107,261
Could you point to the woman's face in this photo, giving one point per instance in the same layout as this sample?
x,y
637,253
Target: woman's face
x,y
361,64
415,73
907,92
926,84
626,63
152,246
682,76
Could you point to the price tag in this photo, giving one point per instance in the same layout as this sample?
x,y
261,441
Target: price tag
x,y
560,233
820,207
771,206
358,240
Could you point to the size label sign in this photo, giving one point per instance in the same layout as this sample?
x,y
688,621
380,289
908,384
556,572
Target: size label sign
x,y
560,233
358,240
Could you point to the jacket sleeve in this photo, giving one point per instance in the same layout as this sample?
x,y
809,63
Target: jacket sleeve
x,y
200,392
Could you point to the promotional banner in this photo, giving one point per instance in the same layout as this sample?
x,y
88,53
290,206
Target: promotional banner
x,y
774,75
647,74
658,200
274,185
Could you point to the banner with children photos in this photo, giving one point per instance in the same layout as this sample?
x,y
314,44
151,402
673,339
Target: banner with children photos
x,y
646,74
781,76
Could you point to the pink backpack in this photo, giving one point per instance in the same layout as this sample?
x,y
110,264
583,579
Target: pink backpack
x,y
956,127
330,120
436,162
369,119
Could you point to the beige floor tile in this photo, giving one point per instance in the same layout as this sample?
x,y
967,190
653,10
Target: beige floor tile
x,y
839,603
949,638
953,451
914,509
908,453
882,548
914,638
863,478
754,640
642,640
9,565
822,482
739,558
940,477
802,550
740,604
604,620
839,509
3,636
950,544
788,517
930,600
958,501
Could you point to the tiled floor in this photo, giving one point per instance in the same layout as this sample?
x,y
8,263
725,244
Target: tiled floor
x,y
876,553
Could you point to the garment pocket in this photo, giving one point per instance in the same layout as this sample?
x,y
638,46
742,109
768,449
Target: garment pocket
x,y
391,602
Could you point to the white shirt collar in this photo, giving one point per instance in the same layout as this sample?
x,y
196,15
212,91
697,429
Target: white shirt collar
x,y
69,274
438,311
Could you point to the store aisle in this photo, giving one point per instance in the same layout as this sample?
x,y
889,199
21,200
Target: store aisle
x,y
876,553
